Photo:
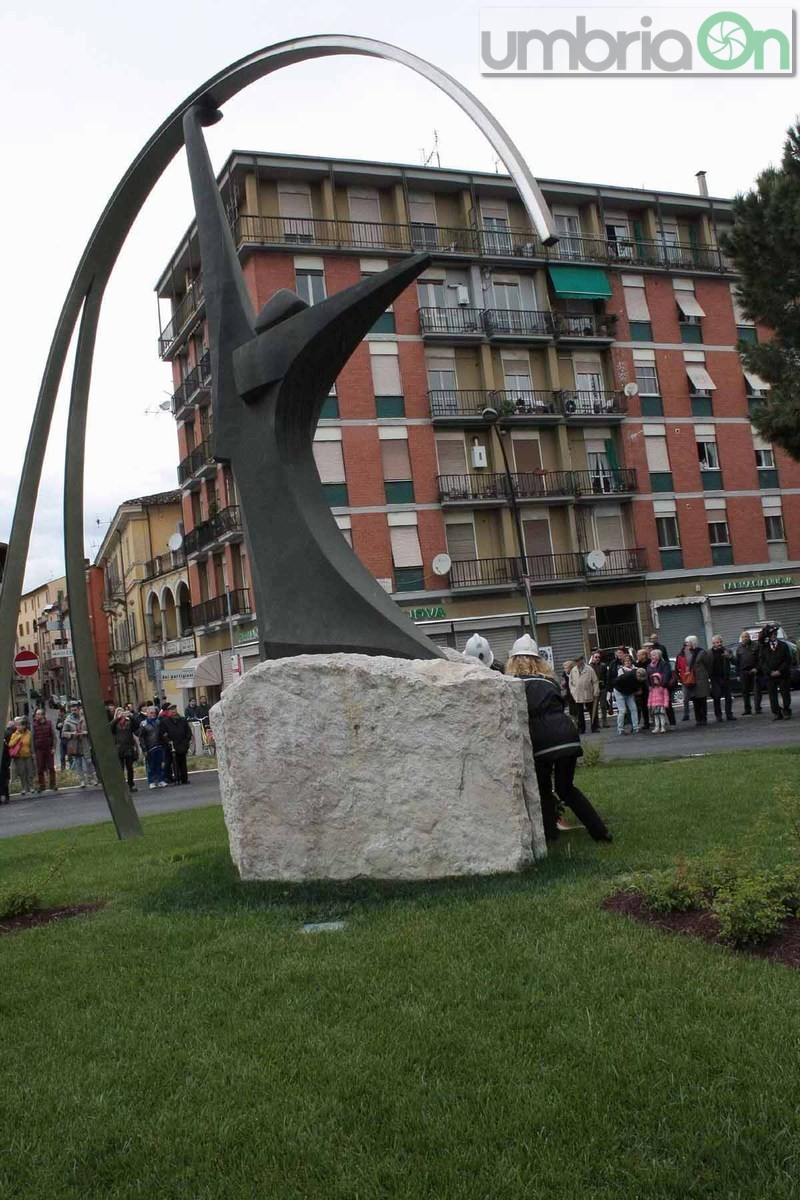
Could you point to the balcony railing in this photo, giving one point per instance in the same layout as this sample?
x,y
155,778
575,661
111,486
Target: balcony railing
x,y
543,569
488,243
207,532
518,322
185,309
162,564
165,649
199,377
612,482
584,325
528,485
454,321
594,404
197,458
471,403
216,609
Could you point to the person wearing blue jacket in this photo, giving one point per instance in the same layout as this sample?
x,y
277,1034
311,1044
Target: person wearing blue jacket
x,y
554,739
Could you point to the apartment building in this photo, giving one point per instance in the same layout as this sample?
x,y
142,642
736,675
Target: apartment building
x,y
573,418
146,599
44,627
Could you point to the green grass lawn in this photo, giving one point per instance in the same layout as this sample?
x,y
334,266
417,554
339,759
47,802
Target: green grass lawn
x,y
476,1040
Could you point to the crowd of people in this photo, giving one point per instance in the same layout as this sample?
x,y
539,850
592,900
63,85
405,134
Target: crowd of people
x,y
155,733
640,688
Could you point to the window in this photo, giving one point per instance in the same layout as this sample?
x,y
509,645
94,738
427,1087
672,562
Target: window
x,y
708,455
506,296
330,465
655,444
569,229
365,215
398,485
636,308
644,365
432,293
496,236
310,286
701,385
452,456
774,524
765,462
765,459
647,379
689,310
422,215
670,247
294,205
442,386
21,630
669,542
407,557
618,236
386,381
745,326
718,533
719,537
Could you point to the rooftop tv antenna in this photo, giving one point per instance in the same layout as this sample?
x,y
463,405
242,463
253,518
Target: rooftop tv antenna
x,y
429,156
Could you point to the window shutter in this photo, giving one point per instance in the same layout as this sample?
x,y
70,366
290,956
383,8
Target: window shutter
x,y
527,454
657,456
295,204
636,304
461,541
364,208
609,533
700,377
406,550
452,456
396,463
386,375
537,536
689,304
421,208
330,464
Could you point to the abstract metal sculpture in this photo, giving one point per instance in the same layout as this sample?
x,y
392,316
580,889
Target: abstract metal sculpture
x,y
271,375
84,300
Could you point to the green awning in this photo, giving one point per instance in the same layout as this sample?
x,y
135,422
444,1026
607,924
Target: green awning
x,y
580,283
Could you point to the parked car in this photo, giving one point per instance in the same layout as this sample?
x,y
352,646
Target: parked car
x,y
794,678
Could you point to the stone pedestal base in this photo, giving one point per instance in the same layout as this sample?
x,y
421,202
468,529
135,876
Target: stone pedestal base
x,y
337,766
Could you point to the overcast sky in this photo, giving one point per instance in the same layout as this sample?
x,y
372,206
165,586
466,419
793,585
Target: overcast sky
x,y
84,84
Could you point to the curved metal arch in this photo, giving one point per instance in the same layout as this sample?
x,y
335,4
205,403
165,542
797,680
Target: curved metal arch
x,y
84,300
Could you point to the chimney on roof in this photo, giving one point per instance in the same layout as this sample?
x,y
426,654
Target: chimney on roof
x,y
702,186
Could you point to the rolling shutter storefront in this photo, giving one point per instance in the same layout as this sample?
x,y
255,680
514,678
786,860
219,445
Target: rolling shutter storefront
x,y
677,622
785,612
728,620
566,640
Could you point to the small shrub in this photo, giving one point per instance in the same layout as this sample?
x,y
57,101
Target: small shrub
x,y
25,896
593,753
751,908
671,891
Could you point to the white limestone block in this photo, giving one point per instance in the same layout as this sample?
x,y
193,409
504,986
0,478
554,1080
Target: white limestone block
x,y
336,766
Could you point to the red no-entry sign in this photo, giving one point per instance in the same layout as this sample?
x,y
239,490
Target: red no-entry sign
x,y
26,662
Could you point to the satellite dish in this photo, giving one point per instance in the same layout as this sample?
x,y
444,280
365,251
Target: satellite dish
x,y
175,542
165,405
596,560
441,564
631,389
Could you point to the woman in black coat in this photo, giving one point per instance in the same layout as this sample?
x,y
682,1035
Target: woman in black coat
x,y
555,741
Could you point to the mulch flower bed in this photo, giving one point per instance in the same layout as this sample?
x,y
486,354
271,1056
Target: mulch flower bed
x,y
45,916
782,947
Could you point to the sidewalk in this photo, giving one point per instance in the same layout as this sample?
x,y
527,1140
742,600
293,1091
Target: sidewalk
x,y
685,739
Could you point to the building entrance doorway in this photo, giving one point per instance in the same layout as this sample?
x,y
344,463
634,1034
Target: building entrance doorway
x,y
618,625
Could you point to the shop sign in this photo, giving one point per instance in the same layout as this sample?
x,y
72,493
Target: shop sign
x,y
765,581
434,613
180,677
246,636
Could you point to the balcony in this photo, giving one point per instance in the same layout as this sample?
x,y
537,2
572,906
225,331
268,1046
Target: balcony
x,y
216,611
162,564
118,658
181,316
197,465
463,323
196,385
543,569
585,327
589,405
167,649
595,485
511,324
493,489
223,526
503,243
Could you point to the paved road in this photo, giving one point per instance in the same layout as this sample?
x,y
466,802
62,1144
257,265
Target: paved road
x,y
746,733
78,807
75,806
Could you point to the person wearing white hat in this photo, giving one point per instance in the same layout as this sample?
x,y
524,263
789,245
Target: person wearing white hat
x,y
554,739
478,648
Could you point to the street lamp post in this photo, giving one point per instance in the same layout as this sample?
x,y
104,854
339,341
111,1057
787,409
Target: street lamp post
x,y
492,416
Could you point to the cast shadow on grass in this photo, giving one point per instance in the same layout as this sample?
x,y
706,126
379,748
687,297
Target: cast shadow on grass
x,y
206,883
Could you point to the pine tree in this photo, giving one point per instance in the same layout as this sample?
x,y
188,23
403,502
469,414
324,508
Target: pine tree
x,y
765,246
